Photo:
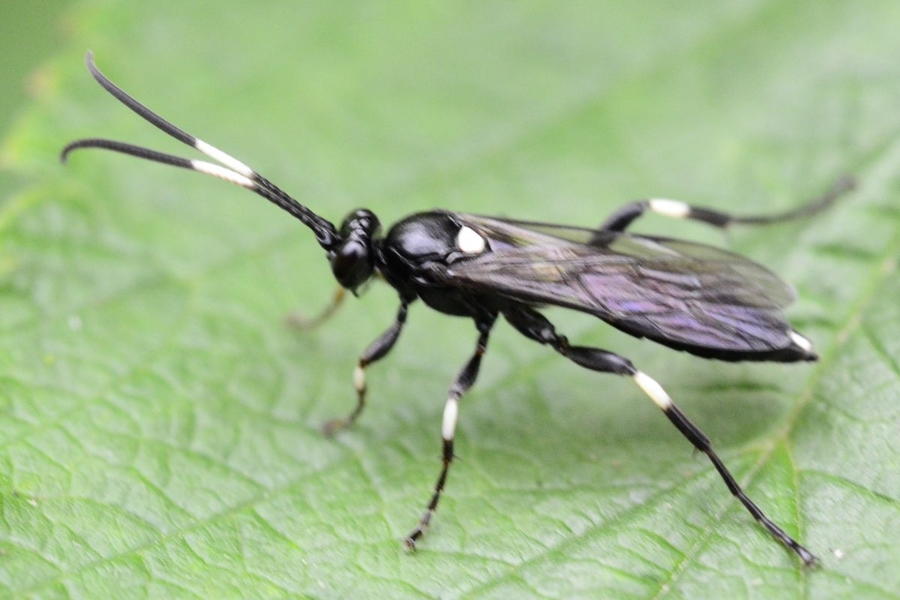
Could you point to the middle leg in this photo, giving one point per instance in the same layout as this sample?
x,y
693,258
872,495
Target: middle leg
x,y
460,385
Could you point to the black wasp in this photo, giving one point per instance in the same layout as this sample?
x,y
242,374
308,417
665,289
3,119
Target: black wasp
x,y
688,296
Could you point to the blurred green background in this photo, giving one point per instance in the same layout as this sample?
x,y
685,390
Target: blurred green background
x,y
160,427
29,33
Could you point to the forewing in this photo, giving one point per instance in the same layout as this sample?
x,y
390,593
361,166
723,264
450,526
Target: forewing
x,y
671,291
506,233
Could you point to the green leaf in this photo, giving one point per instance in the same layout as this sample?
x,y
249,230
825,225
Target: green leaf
x,y
160,423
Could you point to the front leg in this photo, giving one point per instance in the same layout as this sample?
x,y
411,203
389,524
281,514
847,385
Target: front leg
x,y
376,351
461,384
301,321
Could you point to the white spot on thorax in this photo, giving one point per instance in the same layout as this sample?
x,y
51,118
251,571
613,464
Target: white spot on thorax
x,y
469,242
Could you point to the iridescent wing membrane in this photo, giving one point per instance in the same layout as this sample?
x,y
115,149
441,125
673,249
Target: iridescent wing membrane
x,y
686,295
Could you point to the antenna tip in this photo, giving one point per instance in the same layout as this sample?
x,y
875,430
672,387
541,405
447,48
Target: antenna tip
x,y
91,66
73,146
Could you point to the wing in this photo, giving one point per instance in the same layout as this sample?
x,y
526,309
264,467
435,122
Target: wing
x,y
686,295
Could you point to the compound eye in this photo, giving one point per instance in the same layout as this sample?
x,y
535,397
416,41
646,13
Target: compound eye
x,y
352,265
